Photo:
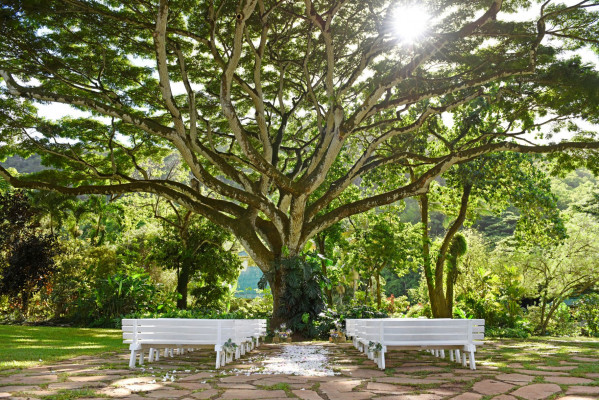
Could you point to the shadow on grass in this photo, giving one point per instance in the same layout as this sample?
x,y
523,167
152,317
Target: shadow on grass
x,y
27,346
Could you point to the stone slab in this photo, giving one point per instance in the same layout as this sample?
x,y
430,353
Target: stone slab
x,y
306,394
537,391
491,387
167,393
583,390
468,396
568,380
518,379
243,394
205,394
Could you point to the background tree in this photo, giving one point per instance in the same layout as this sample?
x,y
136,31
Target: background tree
x,y
199,251
563,270
495,180
283,106
26,254
381,242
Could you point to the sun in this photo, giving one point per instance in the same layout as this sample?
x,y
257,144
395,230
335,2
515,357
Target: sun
x,y
410,23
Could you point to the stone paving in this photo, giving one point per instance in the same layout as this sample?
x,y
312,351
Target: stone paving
x,y
507,370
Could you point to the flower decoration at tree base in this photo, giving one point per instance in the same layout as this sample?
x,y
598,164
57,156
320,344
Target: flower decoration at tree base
x,y
283,334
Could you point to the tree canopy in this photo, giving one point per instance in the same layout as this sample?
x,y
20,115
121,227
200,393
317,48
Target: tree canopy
x,y
279,109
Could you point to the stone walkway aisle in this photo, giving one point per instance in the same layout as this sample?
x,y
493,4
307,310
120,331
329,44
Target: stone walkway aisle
x,y
508,370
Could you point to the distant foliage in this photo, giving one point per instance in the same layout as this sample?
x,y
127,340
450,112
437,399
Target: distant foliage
x,y
587,312
257,307
331,319
561,323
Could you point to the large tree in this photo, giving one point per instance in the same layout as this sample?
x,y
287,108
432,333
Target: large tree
x,y
26,253
279,107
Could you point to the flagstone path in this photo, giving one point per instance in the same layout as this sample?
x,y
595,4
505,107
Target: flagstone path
x,y
507,370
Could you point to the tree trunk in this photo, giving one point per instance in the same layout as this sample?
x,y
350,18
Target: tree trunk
x,y
439,306
451,278
378,288
441,303
279,309
182,283
543,322
25,303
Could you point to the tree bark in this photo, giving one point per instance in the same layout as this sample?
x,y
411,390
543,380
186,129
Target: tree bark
x,y
277,287
182,283
378,287
25,303
441,302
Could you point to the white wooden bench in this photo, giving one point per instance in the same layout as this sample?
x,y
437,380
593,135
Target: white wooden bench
x,y
251,331
376,336
153,334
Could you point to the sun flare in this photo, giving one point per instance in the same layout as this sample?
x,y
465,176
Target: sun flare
x,y
410,23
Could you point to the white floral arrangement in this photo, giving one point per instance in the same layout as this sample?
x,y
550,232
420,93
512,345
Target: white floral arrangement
x,y
335,335
375,348
229,346
283,332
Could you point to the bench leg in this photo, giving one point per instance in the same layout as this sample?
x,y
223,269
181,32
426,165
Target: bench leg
x,y
457,356
151,354
442,353
217,359
132,359
463,359
157,355
450,355
141,357
472,362
381,360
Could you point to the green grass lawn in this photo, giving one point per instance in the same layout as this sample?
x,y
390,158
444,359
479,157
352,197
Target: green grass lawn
x,y
27,346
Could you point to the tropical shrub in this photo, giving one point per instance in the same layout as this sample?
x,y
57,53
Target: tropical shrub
x,y
119,295
587,313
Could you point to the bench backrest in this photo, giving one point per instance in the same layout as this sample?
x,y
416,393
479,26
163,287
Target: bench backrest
x,y
249,328
197,331
417,331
